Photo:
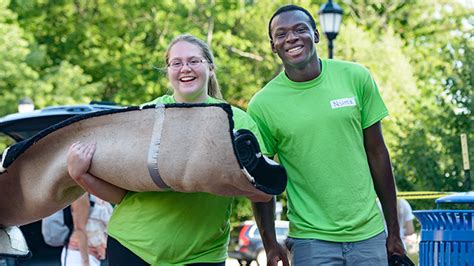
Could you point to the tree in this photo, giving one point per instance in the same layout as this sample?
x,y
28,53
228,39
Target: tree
x,y
420,53
17,78
437,39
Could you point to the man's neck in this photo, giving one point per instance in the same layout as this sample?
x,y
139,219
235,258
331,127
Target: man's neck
x,y
309,72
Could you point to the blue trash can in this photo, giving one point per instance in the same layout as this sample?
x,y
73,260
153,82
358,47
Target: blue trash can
x,y
447,236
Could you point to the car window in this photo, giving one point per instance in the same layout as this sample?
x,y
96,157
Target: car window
x,y
281,231
254,232
234,234
5,141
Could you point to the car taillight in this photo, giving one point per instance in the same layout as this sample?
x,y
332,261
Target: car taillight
x,y
243,239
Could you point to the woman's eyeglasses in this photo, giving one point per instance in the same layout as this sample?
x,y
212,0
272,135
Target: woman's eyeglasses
x,y
193,63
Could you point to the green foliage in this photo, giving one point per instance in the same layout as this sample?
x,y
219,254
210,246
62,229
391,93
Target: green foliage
x,y
17,78
437,43
65,84
242,211
420,52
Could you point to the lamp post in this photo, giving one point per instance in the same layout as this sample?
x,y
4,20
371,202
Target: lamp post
x,y
25,105
330,16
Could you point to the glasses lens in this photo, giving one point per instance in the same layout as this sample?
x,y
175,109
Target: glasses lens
x,y
175,64
194,62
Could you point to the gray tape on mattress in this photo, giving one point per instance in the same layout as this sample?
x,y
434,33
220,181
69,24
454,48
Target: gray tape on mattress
x,y
154,149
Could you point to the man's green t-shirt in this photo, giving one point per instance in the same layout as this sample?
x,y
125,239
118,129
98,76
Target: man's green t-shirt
x,y
172,228
316,128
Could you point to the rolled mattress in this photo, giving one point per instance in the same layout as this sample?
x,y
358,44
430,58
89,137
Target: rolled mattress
x,y
179,147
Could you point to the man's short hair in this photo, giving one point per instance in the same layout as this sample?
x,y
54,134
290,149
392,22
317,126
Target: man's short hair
x,y
288,8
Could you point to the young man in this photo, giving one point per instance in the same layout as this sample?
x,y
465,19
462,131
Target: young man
x,y
322,119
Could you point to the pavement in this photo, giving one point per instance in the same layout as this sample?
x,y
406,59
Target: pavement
x,y
231,262
234,262
9,262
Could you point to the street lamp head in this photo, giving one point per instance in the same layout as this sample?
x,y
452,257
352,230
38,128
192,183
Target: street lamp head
x,y
25,105
330,16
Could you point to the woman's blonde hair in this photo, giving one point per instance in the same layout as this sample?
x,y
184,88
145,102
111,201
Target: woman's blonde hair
x,y
213,88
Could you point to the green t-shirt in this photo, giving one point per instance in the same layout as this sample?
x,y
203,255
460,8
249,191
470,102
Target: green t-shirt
x,y
172,228
316,128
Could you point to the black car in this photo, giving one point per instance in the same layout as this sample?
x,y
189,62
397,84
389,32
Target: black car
x,y
246,243
20,126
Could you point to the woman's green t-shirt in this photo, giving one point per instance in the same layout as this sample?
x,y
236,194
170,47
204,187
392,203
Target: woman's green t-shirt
x,y
172,228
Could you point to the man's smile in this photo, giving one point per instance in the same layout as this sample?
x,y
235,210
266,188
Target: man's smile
x,y
295,50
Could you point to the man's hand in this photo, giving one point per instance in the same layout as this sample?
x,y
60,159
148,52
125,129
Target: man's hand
x,y
394,245
275,254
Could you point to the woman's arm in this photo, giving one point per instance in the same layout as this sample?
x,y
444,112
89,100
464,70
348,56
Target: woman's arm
x,y
80,214
260,198
78,164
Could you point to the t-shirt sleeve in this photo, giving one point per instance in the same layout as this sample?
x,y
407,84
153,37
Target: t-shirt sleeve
x,y
257,134
268,141
373,107
155,101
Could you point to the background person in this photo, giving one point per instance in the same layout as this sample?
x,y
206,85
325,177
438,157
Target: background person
x,y
88,241
405,218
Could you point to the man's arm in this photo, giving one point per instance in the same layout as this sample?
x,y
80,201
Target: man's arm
x,y
381,170
264,213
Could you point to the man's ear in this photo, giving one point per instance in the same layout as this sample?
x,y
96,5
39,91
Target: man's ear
x,y
273,46
316,36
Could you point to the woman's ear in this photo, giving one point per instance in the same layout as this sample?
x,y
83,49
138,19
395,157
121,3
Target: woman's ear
x,y
211,70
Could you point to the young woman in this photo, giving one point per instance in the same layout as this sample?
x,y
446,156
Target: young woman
x,y
168,228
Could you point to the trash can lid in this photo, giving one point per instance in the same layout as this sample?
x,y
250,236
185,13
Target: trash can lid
x,y
463,197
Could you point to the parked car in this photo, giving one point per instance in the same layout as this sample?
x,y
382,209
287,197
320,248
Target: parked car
x,y
20,126
246,243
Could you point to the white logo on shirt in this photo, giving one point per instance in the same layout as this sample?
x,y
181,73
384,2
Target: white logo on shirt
x,y
343,102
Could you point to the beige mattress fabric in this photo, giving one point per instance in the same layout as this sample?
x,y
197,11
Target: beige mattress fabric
x,y
191,148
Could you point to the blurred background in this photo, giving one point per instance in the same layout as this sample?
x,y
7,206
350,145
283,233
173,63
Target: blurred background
x,y
421,53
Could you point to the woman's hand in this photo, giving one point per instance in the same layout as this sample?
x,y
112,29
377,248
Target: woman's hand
x,y
78,163
79,159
